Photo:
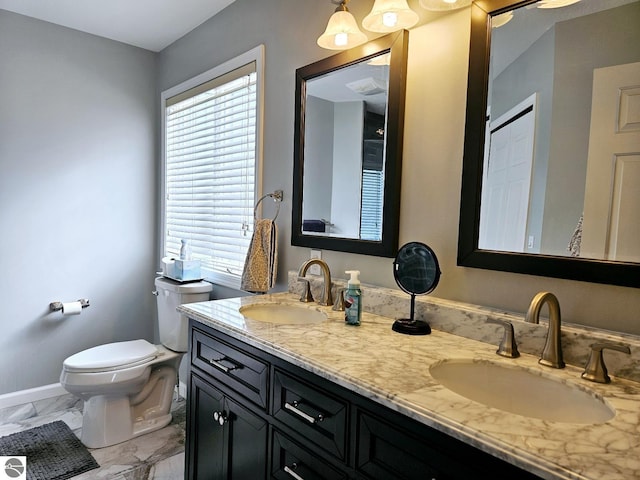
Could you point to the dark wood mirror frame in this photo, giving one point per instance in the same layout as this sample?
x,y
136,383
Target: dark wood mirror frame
x,y
588,270
397,44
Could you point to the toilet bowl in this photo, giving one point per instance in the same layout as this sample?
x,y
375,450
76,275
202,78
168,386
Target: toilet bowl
x,y
127,387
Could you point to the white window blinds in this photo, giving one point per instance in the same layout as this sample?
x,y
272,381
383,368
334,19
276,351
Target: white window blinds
x,y
371,213
210,168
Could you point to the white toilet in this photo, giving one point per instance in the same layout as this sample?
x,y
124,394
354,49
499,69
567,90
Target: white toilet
x,y
127,387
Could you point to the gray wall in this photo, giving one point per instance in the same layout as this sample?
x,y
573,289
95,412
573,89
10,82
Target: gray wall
x,y
318,152
77,195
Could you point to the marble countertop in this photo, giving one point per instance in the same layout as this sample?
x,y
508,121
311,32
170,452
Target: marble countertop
x,y
393,370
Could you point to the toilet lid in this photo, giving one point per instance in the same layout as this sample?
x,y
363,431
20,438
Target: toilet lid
x,y
112,355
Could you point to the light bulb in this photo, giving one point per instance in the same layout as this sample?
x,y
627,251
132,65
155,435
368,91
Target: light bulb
x,y
389,19
389,16
340,40
342,31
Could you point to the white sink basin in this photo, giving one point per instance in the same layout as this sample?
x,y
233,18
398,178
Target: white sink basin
x,y
521,391
282,313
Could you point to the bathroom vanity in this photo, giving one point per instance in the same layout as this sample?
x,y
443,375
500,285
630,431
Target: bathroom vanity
x,y
324,400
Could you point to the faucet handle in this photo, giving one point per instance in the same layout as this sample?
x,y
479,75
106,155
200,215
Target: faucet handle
x,y
338,305
508,346
596,370
306,295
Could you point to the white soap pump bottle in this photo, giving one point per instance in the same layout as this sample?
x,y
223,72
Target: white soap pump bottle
x,y
353,299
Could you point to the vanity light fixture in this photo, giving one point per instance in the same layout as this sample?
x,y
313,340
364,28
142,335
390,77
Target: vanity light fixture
x,y
342,31
441,5
389,16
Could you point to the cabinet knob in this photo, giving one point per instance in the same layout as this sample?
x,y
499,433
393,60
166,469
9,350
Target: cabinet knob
x,y
220,417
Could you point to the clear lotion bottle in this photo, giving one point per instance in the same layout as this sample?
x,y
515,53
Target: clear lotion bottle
x,y
353,299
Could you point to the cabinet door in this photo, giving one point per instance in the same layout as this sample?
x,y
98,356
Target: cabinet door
x,y
226,440
206,444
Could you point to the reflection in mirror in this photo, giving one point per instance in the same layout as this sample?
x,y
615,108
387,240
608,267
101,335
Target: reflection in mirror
x,y
348,148
344,151
551,179
417,272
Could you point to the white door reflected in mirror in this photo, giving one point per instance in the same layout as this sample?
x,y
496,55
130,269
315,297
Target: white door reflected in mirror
x,y
580,194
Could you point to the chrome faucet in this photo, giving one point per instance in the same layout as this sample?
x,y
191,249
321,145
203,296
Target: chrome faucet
x,y
326,274
552,351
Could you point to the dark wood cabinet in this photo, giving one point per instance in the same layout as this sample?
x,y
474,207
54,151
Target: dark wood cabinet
x,y
226,440
252,415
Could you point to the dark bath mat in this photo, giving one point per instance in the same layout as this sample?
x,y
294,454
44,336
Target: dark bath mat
x,y
53,452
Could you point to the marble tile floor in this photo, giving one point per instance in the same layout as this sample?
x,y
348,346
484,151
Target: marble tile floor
x,y
155,456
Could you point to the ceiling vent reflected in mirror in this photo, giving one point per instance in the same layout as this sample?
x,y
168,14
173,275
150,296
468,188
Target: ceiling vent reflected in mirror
x,y
368,86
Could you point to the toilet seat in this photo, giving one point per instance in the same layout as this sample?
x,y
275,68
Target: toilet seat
x,y
111,356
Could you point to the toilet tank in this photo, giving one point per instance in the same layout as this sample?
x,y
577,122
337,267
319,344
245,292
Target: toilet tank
x,y
172,325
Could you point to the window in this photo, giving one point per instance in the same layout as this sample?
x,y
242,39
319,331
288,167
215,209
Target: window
x,y
372,197
211,150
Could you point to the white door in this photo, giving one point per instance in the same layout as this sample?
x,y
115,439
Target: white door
x,y
611,225
506,181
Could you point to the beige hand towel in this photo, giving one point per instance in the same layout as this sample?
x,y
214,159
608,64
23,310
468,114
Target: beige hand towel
x,y
261,264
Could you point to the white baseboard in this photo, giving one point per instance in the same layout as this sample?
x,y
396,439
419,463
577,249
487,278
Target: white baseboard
x,y
49,391
31,395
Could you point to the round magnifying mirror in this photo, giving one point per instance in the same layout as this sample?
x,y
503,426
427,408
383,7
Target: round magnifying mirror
x,y
417,272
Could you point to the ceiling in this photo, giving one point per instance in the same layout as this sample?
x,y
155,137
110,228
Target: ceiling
x,y
149,24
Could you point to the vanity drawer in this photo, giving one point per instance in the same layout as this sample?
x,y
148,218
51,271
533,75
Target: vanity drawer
x,y
235,368
391,447
312,413
290,461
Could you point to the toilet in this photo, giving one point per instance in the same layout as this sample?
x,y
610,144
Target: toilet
x,y
127,387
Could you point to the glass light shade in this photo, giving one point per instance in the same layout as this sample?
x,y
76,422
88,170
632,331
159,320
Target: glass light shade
x,y
556,3
389,16
500,20
342,32
440,5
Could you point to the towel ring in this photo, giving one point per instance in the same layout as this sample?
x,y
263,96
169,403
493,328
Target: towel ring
x,y
277,197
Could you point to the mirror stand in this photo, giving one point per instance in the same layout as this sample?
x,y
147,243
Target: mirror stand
x,y
416,272
411,326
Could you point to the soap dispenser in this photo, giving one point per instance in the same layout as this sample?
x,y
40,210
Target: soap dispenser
x,y
353,299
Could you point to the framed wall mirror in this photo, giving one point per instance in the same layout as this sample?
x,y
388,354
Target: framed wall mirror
x,y
348,149
551,169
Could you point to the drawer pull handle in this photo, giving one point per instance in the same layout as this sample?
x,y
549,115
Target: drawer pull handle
x,y
294,408
216,363
290,471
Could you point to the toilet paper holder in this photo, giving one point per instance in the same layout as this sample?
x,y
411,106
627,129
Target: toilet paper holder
x,y
57,306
